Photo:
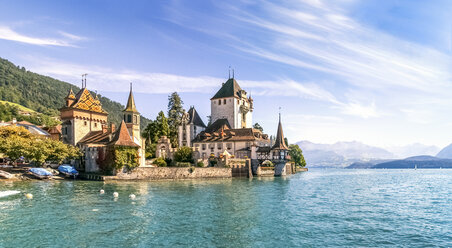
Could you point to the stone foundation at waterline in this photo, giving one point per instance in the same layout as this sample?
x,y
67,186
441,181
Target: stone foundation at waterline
x,y
161,173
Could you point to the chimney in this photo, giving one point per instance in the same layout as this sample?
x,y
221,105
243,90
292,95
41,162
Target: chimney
x,y
104,128
112,127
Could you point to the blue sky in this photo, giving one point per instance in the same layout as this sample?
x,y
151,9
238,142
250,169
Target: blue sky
x,y
371,71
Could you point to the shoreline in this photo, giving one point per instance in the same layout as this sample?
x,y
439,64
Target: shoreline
x,y
20,173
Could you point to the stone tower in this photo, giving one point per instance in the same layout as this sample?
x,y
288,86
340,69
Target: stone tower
x,y
191,125
232,103
81,114
132,117
132,121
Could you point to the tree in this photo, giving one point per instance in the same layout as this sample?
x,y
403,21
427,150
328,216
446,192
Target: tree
x,y
161,126
258,127
296,155
183,154
175,111
152,133
18,141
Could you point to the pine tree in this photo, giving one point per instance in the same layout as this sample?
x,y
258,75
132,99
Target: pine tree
x,y
175,111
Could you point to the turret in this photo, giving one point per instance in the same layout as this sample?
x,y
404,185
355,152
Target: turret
x,y
70,98
132,116
280,149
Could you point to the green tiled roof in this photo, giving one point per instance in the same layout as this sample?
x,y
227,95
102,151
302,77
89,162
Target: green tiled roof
x,y
229,89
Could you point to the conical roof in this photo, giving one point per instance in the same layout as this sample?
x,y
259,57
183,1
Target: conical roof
x,y
70,94
131,102
280,143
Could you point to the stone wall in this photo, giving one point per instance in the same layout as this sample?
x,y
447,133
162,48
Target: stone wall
x,y
159,173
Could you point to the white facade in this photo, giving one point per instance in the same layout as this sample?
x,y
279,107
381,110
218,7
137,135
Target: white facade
x,y
238,111
187,132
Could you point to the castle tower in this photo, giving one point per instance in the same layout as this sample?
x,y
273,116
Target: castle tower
x,y
280,149
232,103
132,121
191,125
81,114
132,117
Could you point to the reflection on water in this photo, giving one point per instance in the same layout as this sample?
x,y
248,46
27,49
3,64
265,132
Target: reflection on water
x,y
316,208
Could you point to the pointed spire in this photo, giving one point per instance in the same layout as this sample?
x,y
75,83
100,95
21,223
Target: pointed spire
x,y
280,143
70,94
131,102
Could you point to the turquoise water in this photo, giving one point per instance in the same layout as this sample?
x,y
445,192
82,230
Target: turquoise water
x,y
319,208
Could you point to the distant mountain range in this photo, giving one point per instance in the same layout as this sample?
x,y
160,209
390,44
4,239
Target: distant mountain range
x,y
343,154
408,163
446,152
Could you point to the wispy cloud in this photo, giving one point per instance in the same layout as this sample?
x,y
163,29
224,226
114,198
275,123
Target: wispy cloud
x,y
7,33
328,41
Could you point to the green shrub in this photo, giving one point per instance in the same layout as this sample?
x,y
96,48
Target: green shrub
x,y
183,154
183,164
200,164
160,162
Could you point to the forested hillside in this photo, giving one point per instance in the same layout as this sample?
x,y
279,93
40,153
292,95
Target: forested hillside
x,y
45,94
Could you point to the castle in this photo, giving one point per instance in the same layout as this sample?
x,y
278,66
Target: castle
x,y
85,125
230,132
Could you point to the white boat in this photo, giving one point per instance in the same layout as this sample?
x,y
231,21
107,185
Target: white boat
x,y
8,193
6,175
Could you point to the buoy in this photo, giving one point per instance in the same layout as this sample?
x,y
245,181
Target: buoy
x,y
115,194
132,196
29,196
101,191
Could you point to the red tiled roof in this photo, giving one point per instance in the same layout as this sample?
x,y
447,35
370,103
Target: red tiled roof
x,y
122,137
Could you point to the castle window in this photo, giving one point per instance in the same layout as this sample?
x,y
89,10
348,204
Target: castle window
x,y
219,102
203,147
224,101
86,123
129,118
219,146
95,124
229,146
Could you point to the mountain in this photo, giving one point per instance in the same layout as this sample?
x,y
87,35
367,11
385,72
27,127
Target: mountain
x,y
446,152
413,150
45,94
340,154
367,164
417,161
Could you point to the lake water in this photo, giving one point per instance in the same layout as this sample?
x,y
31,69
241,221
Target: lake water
x,y
319,208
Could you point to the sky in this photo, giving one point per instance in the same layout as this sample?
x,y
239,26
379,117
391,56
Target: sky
x,y
372,71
